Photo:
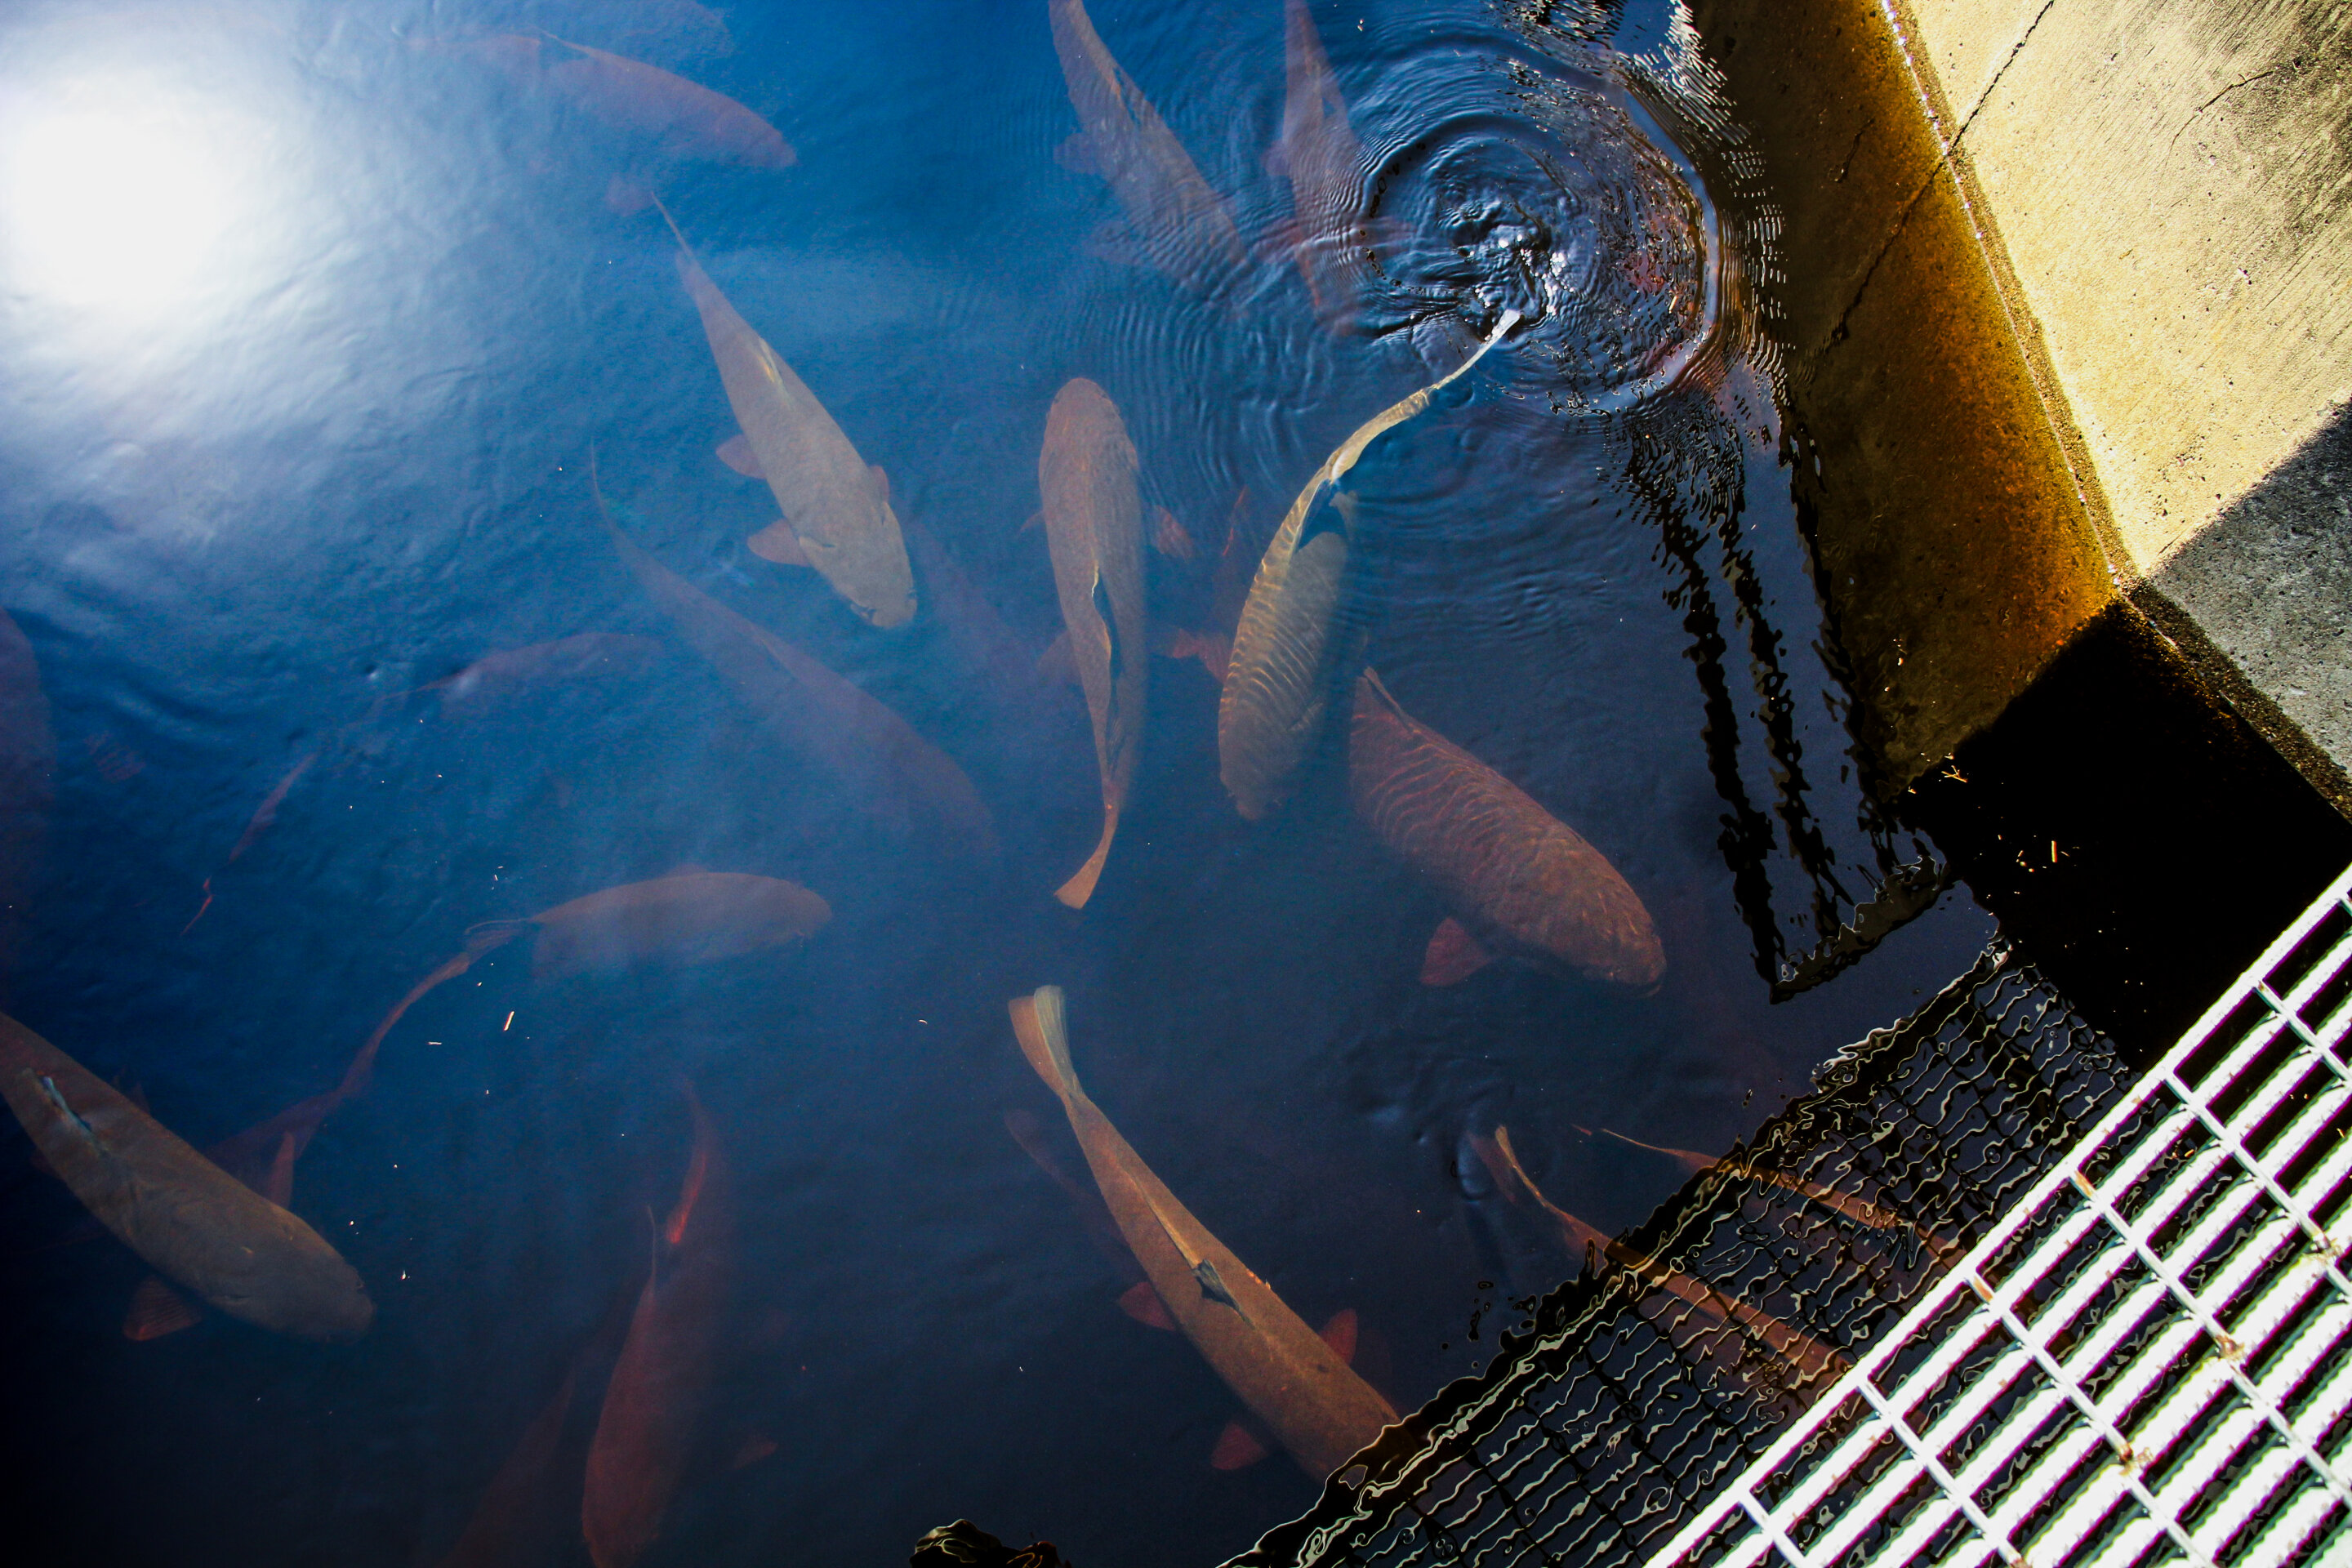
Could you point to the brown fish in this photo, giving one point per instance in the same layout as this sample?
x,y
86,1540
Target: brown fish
x,y
1808,1355
890,772
647,1430
1094,529
510,1525
28,761
1322,161
191,1221
1175,221
686,918
839,509
1517,876
510,675
1861,1210
1287,1377
1287,659
684,119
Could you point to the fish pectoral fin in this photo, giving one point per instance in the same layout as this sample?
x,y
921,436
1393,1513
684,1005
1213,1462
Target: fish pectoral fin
x,y
1237,1447
736,454
1453,955
1075,152
1141,1302
779,544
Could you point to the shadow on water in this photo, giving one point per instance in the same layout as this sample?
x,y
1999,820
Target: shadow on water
x,y
301,394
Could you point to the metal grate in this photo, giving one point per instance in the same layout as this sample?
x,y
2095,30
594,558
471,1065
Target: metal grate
x,y
2142,1361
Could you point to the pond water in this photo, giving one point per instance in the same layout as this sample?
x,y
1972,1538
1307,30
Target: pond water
x,y
378,587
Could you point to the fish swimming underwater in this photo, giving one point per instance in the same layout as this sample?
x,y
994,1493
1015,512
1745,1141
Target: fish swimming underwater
x,y
882,764
838,508
1287,660
1094,529
1860,1210
1175,221
1282,1370
684,120
1810,1358
647,1429
191,1220
1321,159
1516,877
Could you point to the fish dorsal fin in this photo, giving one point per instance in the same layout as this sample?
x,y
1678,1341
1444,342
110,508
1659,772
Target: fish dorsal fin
x,y
1212,1286
1099,597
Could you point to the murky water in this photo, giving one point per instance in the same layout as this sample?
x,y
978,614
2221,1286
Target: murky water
x,y
363,514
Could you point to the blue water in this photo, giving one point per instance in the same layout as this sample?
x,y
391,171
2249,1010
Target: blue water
x,y
309,323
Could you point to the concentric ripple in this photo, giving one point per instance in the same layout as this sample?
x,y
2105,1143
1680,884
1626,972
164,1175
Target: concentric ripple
x,y
1503,180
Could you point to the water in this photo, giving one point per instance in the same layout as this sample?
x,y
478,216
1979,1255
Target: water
x,y
316,319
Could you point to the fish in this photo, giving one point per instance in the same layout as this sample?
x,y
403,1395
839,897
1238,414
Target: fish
x,y
1176,222
647,1429
1094,529
28,761
1245,1441
510,1525
189,1219
1453,955
685,918
1518,878
1286,659
685,120
1861,1210
1318,155
839,508
1812,1359
667,32
1285,1374
890,772
510,675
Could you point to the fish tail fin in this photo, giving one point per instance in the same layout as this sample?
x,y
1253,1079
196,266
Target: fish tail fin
x,y
1081,885
697,1170
1041,1022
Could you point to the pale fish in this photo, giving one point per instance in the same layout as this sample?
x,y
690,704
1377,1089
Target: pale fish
x,y
1286,1373
1094,529
1321,159
1286,659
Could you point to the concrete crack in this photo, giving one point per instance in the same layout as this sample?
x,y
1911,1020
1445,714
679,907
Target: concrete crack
x,y
2249,81
1838,332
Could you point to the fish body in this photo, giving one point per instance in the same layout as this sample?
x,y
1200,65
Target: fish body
x,y
1178,223
509,1527
1289,649
510,675
28,760
684,119
1516,875
1322,160
1287,1374
649,1425
191,1220
893,773
1094,529
839,509
688,918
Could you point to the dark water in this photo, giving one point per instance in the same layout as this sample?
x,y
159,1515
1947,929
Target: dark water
x,y
310,320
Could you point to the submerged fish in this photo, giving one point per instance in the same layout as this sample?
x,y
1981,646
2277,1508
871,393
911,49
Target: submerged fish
x,y
1287,1374
646,1431
510,1525
510,675
684,119
1175,221
1321,159
839,509
685,918
1809,1356
28,760
188,1218
1094,529
1516,876
890,772
1861,1210
1286,665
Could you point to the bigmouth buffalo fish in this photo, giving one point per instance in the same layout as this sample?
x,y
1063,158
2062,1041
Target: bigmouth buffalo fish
x,y
1287,1376
1286,659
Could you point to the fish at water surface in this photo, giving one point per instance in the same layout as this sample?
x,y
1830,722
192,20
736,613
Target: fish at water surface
x,y
1285,667
1318,155
1094,530
189,1219
1519,878
1287,1376
839,509
1175,221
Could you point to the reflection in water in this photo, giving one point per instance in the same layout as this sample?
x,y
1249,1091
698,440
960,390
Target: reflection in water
x,y
517,838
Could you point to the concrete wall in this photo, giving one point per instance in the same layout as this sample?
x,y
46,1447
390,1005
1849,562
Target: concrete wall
x,y
2164,192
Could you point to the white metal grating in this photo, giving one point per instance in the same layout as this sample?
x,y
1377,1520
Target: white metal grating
x,y
2145,1361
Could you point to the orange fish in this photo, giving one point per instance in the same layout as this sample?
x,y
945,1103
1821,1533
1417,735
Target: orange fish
x,y
684,119
1287,1377
1810,1358
188,1218
1860,1210
1175,221
647,1432
1320,157
1507,868
1094,529
28,760
885,767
